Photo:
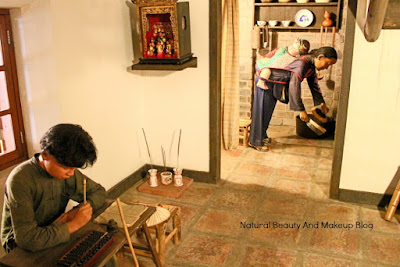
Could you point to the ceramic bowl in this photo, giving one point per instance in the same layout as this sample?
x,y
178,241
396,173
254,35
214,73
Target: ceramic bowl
x,y
302,1
322,1
266,1
286,23
284,1
273,23
261,23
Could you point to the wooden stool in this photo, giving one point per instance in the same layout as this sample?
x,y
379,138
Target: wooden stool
x,y
244,127
166,230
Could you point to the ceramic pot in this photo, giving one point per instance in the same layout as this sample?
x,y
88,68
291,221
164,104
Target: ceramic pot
x,y
166,178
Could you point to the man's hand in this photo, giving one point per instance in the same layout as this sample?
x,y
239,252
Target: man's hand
x,y
82,217
304,116
67,217
324,108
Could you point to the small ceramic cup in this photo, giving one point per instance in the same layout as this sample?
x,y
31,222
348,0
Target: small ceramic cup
x,y
166,178
178,179
153,178
261,23
273,23
286,23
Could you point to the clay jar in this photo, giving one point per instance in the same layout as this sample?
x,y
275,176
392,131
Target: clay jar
x,y
178,179
153,178
327,19
166,178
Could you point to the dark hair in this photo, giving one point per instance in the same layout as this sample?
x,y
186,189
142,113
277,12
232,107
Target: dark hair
x,y
70,145
327,51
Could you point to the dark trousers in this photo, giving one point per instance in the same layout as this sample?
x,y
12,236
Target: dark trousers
x,y
263,107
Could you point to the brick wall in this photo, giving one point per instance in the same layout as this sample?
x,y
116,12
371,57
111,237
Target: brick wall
x,y
330,85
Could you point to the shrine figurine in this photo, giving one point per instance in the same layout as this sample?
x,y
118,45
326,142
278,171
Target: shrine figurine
x,y
152,48
160,49
168,49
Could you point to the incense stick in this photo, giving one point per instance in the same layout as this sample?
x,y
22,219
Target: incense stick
x,y
164,158
84,190
179,144
148,150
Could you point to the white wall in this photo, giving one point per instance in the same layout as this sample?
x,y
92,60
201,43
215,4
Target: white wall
x,y
88,44
372,144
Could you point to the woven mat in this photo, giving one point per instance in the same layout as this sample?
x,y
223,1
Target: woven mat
x,y
131,212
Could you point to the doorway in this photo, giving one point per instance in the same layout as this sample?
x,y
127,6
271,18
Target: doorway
x,y
328,152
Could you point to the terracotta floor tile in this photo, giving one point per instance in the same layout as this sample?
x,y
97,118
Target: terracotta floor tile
x,y
254,168
197,194
258,256
234,199
322,176
228,165
327,153
300,141
246,182
325,164
320,192
276,233
292,187
221,222
293,160
291,172
205,250
341,241
267,158
335,212
313,260
309,151
226,154
187,214
290,207
384,248
376,217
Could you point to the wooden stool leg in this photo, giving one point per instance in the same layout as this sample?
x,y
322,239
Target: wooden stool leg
x,y
246,137
394,202
156,257
176,223
160,233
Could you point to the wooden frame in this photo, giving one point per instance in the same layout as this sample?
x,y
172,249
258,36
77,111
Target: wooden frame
x,y
20,153
215,29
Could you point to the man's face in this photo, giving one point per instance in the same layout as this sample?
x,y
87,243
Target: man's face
x,y
322,62
55,169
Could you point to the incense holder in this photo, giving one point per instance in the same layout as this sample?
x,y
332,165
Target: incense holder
x,y
166,178
178,179
153,178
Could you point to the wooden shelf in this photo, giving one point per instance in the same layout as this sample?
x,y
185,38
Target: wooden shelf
x,y
282,28
288,11
297,4
192,63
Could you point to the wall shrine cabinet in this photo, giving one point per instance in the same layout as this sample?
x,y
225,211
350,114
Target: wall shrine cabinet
x,y
164,33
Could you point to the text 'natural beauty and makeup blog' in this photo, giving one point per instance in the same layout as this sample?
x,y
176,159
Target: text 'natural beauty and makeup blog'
x,y
308,225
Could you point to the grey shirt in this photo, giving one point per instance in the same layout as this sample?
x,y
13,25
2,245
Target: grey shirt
x,y
34,199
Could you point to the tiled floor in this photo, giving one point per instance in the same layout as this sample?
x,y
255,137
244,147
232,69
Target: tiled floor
x,y
285,187
284,193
